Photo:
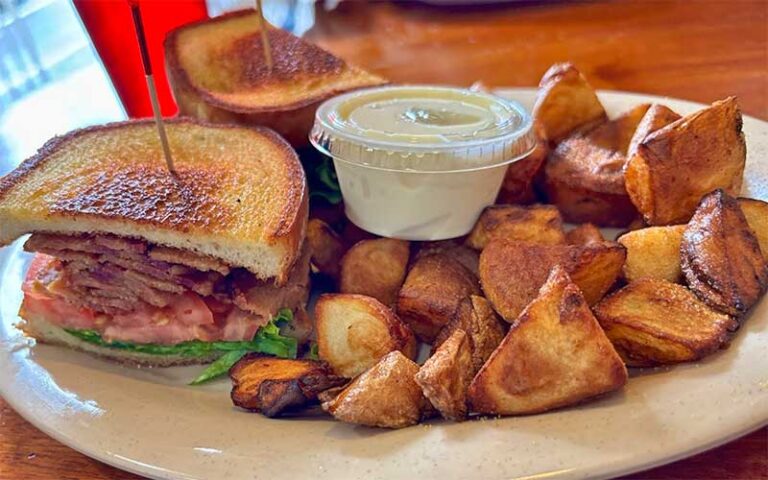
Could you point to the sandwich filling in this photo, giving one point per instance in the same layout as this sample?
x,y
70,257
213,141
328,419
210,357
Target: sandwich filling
x,y
121,290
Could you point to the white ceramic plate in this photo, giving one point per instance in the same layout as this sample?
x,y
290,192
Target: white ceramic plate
x,y
149,422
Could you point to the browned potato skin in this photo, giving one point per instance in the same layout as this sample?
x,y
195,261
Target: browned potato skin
x,y
566,103
584,234
375,268
325,246
454,248
676,165
656,117
484,328
511,273
584,174
445,376
271,385
756,213
518,185
653,252
554,355
355,331
539,224
654,322
433,290
385,396
721,258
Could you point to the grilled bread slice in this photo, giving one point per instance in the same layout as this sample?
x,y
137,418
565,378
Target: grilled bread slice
x,y
240,194
217,72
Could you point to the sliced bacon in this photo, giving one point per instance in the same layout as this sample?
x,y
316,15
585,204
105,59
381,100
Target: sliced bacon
x,y
139,291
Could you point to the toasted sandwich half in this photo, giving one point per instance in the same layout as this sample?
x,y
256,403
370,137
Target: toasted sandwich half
x,y
217,72
146,267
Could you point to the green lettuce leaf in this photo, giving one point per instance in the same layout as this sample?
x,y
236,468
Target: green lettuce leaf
x,y
321,178
267,340
219,367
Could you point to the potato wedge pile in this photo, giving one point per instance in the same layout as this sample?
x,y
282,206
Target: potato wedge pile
x,y
526,313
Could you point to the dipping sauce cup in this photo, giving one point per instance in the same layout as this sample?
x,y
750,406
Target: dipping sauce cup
x,y
420,162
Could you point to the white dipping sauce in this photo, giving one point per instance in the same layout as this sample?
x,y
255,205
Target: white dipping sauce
x,y
420,163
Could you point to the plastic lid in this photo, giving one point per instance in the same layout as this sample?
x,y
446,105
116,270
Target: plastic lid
x,y
422,128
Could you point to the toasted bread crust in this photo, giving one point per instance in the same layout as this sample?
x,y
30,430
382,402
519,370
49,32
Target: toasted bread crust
x,y
194,99
147,196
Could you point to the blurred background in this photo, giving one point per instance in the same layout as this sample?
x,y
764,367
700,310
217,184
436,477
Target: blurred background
x,y
66,64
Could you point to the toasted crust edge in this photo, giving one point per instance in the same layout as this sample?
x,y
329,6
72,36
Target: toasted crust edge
x,y
180,74
290,227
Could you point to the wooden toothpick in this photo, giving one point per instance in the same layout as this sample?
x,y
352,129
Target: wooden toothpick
x,y
151,86
264,35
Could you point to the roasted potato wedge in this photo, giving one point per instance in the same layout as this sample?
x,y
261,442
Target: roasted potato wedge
x,y
756,213
354,332
511,273
433,290
584,234
555,354
721,258
477,318
656,117
676,165
385,396
375,268
445,376
518,185
584,174
566,103
653,252
455,249
539,224
325,246
656,322
271,385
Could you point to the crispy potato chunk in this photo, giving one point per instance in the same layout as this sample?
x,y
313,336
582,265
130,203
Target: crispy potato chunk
x,y
566,103
432,292
655,322
445,376
676,165
721,258
653,252
656,117
325,246
477,318
584,174
554,355
385,396
540,224
518,185
453,248
354,332
756,213
511,273
375,268
271,385
584,234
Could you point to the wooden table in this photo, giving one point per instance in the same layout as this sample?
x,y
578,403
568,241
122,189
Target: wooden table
x,y
699,50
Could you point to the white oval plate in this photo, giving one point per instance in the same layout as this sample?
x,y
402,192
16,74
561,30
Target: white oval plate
x,y
149,422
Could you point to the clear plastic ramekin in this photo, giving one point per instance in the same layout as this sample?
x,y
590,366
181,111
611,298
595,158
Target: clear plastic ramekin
x,y
420,162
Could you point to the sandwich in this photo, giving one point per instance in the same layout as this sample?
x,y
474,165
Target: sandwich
x,y
144,266
217,72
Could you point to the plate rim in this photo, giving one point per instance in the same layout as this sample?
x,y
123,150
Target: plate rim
x,y
607,470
